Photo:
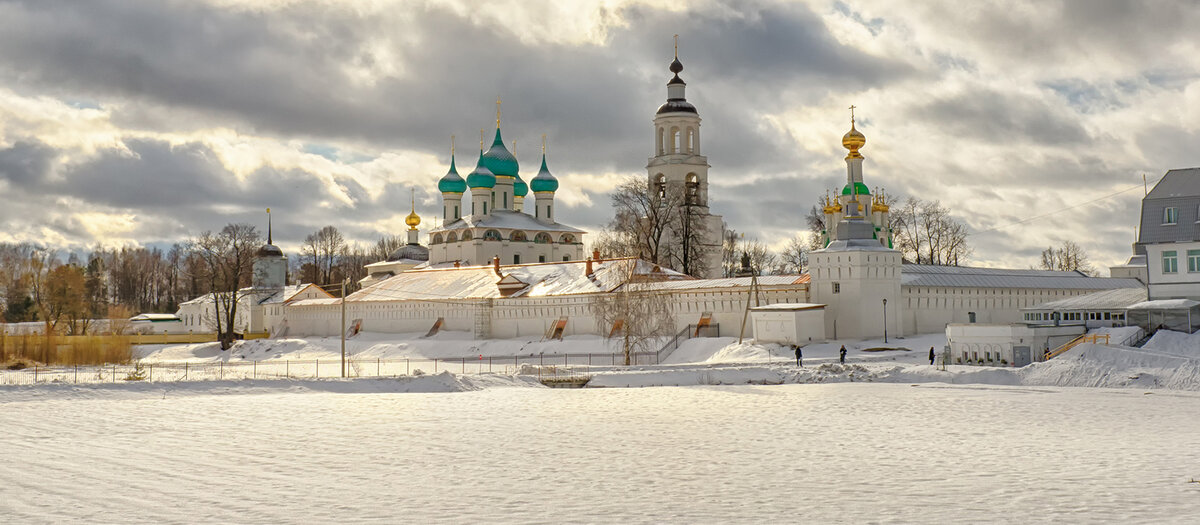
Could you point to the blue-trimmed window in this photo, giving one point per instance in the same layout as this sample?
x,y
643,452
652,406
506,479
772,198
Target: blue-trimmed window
x,y
1193,261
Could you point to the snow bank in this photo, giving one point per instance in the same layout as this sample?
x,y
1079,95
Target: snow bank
x,y
1177,343
432,383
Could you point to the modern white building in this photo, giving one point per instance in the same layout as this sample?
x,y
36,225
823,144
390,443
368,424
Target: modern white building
x,y
789,323
1169,236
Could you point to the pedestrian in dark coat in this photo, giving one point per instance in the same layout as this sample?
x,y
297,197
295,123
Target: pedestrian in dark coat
x,y
843,354
931,355
798,356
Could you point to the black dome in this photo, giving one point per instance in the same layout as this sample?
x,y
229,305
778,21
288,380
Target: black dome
x,y
676,65
676,105
270,250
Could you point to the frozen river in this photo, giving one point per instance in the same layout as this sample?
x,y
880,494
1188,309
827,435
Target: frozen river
x,y
772,454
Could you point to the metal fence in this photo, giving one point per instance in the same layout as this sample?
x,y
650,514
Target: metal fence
x,y
315,368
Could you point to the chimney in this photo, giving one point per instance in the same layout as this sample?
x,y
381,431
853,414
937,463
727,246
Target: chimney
x,y
589,267
496,264
456,265
596,254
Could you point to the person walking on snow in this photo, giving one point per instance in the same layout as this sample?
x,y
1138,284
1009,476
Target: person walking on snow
x,y
931,355
843,354
799,355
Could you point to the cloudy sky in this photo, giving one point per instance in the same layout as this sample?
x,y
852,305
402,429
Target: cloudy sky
x,y
150,121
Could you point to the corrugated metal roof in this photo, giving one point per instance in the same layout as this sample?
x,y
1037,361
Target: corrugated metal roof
x,y
1115,299
967,277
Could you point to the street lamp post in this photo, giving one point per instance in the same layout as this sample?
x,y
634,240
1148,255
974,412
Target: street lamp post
x,y
885,321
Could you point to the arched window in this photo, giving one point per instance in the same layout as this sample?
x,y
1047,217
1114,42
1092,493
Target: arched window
x,y
437,238
542,238
693,188
660,185
658,142
692,146
491,235
518,236
567,239
467,235
673,146
451,237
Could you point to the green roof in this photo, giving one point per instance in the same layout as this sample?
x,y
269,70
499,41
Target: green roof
x,y
862,189
544,181
498,159
452,182
482,177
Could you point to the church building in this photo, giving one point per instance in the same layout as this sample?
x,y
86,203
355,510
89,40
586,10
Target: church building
x,y
493,223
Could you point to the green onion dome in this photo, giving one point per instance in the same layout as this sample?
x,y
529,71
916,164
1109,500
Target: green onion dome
x,y
452,182
498,160
520,189
482,177
859,188
544,181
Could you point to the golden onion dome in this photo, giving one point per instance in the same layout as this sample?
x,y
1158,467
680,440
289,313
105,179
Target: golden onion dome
x,y
413,220
853,140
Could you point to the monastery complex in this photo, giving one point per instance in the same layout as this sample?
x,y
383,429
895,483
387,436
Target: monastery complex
x,y
501,265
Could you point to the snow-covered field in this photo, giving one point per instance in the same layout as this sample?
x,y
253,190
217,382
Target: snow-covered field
x,y
310,452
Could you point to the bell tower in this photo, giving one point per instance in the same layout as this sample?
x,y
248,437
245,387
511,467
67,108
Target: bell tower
x,y
678,176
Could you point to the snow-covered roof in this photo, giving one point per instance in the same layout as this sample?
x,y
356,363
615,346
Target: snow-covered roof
x,y
729,282
787,307
967,277
1115,299
480,282
1165,304
506,219
282,295
154,317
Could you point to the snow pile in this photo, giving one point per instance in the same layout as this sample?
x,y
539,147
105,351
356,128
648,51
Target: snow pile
x,y
687,377
1176,343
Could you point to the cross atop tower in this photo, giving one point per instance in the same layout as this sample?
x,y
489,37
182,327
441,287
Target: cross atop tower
x,y
676,45
497,112
451,146
543,144
852,106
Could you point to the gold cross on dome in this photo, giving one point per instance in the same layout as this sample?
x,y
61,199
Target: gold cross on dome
x,y
852,106
497,112
451,145
676,45
543,143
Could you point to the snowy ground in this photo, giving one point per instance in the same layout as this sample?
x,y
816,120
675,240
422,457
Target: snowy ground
x,y
1170,360
307,452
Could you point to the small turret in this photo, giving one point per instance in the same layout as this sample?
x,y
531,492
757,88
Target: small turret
x,y
544,185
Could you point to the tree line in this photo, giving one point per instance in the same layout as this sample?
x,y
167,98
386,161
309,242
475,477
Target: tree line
x,y
66,290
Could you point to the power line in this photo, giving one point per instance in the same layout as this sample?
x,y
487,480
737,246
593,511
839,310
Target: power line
x,y
1044,215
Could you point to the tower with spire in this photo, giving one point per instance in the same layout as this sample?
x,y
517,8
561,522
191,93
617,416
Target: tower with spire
x,y
857,274
498,223
270,265
678,176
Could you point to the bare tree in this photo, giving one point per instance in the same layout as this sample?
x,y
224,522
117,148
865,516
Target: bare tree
x,y
635,313
762,259
662,227
1068,257
385,246
730,257
322,248
794,258
816,226
228,258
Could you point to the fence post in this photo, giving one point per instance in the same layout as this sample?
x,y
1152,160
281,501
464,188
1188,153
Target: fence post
x,y
221,372
464,369
287,369
377,367
150,378
35,373
489,364
317,372
185,370
435,365
406,368
114,374
565,357
254,371
76,372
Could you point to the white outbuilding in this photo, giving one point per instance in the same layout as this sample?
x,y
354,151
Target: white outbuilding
x,y
789,323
